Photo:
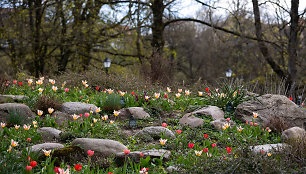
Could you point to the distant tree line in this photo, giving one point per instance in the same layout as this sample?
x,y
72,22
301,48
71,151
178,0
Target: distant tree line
x,y
53,36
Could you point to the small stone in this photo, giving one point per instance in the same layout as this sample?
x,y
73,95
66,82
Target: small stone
x,y
267,148
293,133
102,147
46,146
137,112
49,133
154,133
77,108
62,118
191,121
218,124
213,111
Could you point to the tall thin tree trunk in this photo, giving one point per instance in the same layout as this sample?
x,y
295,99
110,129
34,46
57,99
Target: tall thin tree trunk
x,y
157,40
292,45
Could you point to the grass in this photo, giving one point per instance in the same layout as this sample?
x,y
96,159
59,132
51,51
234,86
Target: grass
x,y
167,108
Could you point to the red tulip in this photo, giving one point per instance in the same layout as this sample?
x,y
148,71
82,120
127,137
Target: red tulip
x,y
213,145
164,125
228,119
290,98
90,152
97,88
228,149
133,93
86,114
166,96
205,136
246,122
206,89
15,81
141,154
262,152
251,123
81,115
205,150
190,145
58,170
126,151
178,131
33,163
29,140
78,167
28,168
29,158
255,124
20,83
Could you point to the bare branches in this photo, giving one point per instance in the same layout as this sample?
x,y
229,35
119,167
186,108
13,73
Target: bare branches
x,y
204,4
219,28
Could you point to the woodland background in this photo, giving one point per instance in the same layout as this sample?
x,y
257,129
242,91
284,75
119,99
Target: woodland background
x,y
149,40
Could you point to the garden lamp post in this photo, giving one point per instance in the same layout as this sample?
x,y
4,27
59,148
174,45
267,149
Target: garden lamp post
x,y
228,73
299,100
107,64
132,121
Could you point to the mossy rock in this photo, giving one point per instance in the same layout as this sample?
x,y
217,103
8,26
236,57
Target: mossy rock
x,y
70,155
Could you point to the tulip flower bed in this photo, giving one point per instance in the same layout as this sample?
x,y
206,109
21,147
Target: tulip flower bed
x,y
193,150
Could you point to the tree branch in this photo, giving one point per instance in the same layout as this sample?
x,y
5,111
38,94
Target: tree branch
x,y
219,28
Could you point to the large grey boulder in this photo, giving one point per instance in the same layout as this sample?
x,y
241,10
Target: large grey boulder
x,y
77,107
46,146
136,155
49,133
137,112
213,111
102,147
19,109
191,121
268,148
269,106
154,133
294,133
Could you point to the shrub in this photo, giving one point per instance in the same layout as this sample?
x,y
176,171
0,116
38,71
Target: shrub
x,y
277,124
45,101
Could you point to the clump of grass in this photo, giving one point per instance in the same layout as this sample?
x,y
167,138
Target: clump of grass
x,y
111,103
14,118
46,101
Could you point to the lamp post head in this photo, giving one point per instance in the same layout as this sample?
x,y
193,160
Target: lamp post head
x,y
228,73
107,62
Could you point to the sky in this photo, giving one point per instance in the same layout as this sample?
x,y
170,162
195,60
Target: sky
x,y
189,8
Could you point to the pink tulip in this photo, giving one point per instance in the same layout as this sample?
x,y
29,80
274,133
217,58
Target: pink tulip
x,y
90,152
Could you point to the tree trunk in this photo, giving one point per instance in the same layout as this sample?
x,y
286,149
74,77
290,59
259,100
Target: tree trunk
x,y
292,46
157,40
